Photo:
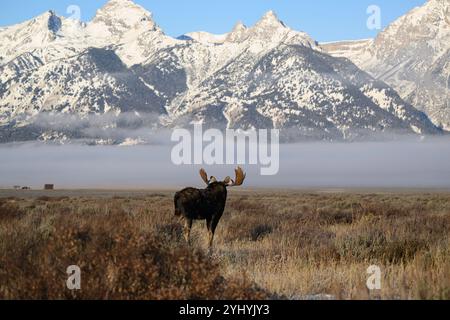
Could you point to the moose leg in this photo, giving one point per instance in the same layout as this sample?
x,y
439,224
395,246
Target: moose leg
x,y
210,233
187,229
212,225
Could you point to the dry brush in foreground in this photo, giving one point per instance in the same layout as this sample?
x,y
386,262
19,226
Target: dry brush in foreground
x,y
285,244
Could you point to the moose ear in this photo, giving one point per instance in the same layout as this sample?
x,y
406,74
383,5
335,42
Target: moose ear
x,y
227,180
212,180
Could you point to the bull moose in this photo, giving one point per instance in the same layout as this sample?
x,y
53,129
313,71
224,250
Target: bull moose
x,y
205,204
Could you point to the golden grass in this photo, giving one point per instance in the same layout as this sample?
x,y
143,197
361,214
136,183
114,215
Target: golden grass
x,y
288,245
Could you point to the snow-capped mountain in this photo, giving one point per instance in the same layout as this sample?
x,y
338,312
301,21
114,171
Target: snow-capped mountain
x,y
120,21
122,67
48,37
411,55
309,92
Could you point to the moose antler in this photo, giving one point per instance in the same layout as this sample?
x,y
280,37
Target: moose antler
x,y
240,177
204,176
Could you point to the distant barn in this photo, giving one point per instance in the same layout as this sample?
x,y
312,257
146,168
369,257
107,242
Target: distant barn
x,y
49,187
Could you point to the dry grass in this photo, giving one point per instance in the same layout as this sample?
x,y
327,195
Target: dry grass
x,y
292,245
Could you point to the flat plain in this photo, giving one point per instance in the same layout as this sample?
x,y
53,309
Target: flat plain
x,y
276,244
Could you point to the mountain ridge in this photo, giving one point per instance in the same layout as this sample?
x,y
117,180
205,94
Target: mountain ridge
x,y
265,75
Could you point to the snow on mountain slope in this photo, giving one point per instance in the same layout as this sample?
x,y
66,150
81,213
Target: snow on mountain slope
x,y
30,35
433,91
47,36
121,62
22,63
94,82
268,33
407,54
129,28
120,23
272,30
200,59
268,30
355,50
206,37
298,88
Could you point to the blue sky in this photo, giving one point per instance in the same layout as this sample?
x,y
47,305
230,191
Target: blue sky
x,y
324,20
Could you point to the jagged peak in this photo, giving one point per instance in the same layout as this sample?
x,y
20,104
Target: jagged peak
x,y
120,20
239,26
126,13
269,29
43,16
238,33
112,6
270,15
270,19
48,20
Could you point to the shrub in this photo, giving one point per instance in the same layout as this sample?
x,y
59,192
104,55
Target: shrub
x,y
9,211
117,263
374,246
260,231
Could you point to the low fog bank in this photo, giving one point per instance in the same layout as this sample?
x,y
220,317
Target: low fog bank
x,y
399,164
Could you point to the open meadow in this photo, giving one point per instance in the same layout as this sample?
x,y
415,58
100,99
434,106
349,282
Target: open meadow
x,y
270,244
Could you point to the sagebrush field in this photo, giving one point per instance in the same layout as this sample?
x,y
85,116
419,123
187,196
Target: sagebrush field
x,y
269,245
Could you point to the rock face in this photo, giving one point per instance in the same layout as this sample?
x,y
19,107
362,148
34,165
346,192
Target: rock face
x,y
411,55
121,65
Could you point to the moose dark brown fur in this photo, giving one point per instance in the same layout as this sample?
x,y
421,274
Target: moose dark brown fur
x,y
205,204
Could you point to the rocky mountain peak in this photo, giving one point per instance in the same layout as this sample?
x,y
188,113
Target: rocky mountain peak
x,y
46,21
270,20
117,17
238,33
240,26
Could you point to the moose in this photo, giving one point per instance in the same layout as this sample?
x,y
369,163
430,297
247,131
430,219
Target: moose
x,y
205,204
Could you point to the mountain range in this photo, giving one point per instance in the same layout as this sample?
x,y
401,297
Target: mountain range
x,y
119,78
412,55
